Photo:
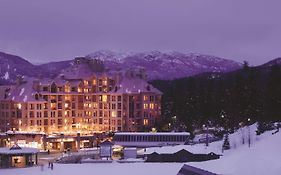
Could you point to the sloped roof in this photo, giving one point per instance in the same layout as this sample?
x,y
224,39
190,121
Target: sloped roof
x,y
24,92
3,91
79,71
135,85
106,143
23,150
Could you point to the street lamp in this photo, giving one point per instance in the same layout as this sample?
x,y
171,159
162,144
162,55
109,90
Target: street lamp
x,y
249,132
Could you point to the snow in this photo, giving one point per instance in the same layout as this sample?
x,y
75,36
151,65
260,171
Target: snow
x,y
25,98
21,91
262,157
100,169
6,76
18,151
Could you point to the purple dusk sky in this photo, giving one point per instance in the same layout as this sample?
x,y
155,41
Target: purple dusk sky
x,y
42,31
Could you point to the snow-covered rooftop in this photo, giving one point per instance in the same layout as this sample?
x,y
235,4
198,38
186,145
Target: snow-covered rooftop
x,y
23,150
135,85
152,133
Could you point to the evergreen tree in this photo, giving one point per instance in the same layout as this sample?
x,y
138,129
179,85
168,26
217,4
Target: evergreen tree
x,y
226,144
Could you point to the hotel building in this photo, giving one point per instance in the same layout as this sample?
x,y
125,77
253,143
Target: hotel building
x,y
85,98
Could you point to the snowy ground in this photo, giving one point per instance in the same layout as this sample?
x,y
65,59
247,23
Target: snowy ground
x,y
100,169
262,158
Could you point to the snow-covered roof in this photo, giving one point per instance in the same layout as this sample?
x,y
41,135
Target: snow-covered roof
x,y
24,132
152,133
3,91
23,92
135,85
78,71
2,134
23,150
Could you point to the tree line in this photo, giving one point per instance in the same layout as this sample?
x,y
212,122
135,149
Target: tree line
x,y
251,94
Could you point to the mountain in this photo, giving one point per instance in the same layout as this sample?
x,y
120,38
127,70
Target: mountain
x,y
276,61
11,66
171,65
158,65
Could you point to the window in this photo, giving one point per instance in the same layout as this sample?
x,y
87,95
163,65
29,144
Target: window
x,y
119,114
119,105
145,122
119,97
145,98
104,98
113,98
151,98
45,88
45,114
113,114
73,89
145,106
113,106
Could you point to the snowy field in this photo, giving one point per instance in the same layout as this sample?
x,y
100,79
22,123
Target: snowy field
x,y
262,158
100,169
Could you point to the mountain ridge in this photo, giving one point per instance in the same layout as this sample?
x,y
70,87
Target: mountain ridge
x,y
158,65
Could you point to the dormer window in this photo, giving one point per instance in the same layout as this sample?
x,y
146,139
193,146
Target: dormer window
x,y
45,88
36,96
53,88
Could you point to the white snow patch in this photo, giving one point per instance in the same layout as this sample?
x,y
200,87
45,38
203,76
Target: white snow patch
x,y
21,91
6,76
25,98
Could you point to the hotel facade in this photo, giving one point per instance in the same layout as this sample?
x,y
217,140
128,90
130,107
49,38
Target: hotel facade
x,y
85,98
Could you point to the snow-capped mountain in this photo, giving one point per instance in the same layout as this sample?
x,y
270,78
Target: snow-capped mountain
x,y
11,66
166,65
158,65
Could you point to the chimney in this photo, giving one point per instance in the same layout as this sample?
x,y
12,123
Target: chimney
x,y
36,85
19,80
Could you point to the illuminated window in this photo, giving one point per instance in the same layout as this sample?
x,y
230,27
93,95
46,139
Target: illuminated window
x,y
145,122
104,98
145,97
66,105
79,89
85,82
145,106
94,81
151,106
104,82
67,97
53,105
113,114
67,88
19,106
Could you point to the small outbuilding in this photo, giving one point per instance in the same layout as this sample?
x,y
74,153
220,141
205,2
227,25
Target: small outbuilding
x,y
106,149
18,157
180,156
130,153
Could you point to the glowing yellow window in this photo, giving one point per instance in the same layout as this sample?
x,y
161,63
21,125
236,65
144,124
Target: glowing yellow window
x,y
113,114
104,82
104,98
145,106
66,105
151,106
145,121
94,81
145,98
